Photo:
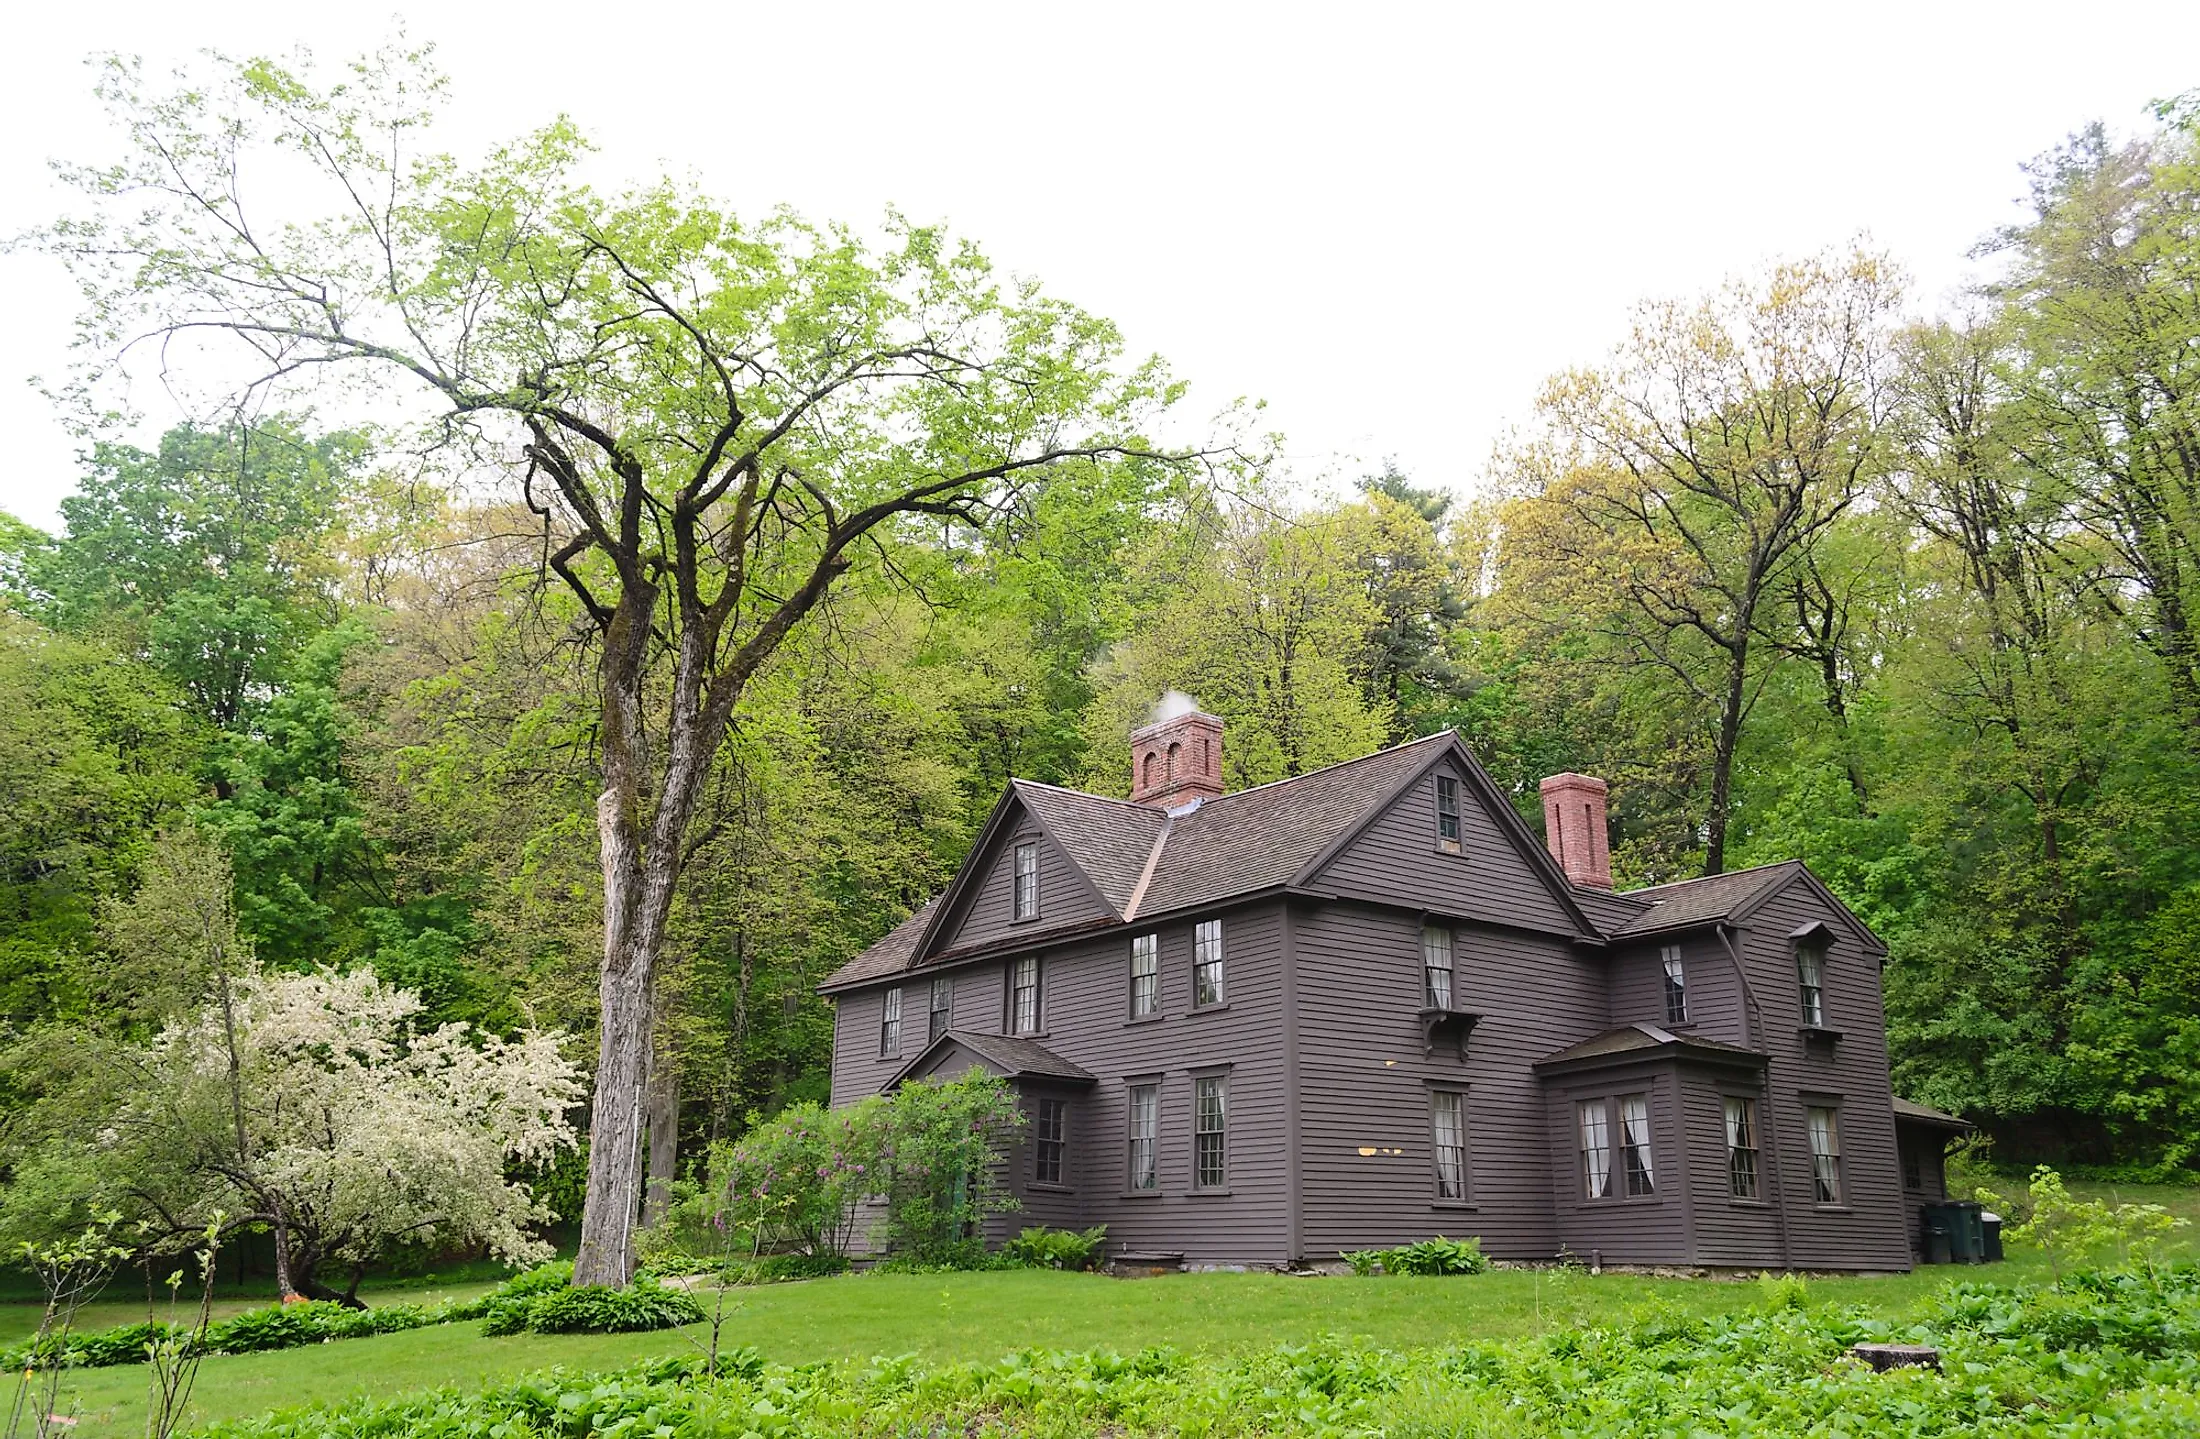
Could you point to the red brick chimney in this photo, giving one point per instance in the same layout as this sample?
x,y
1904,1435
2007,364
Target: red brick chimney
x,y
1177,758
1573,828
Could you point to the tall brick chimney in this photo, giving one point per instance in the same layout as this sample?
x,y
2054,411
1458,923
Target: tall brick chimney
x,y
1178,757
1574,830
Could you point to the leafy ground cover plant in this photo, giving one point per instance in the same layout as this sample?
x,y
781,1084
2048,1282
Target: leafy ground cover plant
x,y
2044,1360
1438,1256
1039,1247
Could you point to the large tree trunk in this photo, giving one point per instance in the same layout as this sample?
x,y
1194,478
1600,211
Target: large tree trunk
x,y
606,1253
663,1118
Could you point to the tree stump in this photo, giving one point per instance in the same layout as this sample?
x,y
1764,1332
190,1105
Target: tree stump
x,y
1883,1357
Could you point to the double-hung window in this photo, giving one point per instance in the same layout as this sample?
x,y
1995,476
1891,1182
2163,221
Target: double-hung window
x,y
1825,1153
1676,985
942,1009
1810,973
1447,1110
1145,1127
889,1023
1023,995
1436,965
1447,814
1207,986
1596,1149
1741,1147
1050,1141
1211,1132
1027,881
1145,976
1634,1145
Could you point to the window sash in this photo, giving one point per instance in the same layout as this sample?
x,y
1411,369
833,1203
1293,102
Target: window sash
x,y
1596,1149
1447,811
1145,975
1027,881
1825,1154
889,1023
1207,979
1634,1123
1741,1148
1676,985
1024,996
1810,972
1436,964
1145,1123
1050,1142
942,1012
1210,1134
1448,1130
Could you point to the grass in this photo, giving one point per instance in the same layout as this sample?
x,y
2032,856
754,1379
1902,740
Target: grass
x,y
977,1317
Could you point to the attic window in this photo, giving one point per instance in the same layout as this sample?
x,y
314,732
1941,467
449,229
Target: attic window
x,y
1027,881
1447,814
1810,974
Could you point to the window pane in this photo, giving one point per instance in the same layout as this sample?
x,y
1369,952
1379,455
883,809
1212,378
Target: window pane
x,y
1207,987
1145,1121
1825,1155
1210,1169
1145,975
1436,963
1676,986
1027,881
1050,1142
1596,1149
1741,1148
889,1023
1634,1124
1448,1125
1809,964
943,1009
1024,996
1447,811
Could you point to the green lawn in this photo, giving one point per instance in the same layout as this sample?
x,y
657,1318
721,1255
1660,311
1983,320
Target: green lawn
x,y
976,1317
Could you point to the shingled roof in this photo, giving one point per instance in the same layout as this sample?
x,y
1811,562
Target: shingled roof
x,y
1699,901
889,955
1109,839
1008,1056
1636,1039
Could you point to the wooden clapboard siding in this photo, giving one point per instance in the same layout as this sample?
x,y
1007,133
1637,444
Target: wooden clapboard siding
x,y
1394,860
1870,1229
986,913
1652,1229
1727,1231
1714,991
1364,1079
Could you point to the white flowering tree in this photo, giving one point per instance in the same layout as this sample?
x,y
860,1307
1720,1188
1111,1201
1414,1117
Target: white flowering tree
x,y
313,1104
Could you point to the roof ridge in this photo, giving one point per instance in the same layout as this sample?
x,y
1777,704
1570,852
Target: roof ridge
x,y
1707,878
1080,793
1325,769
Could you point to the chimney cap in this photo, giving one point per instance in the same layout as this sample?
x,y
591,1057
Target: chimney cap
x,y
1570,780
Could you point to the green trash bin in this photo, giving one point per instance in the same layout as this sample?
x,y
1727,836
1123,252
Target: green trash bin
x,y
1964,1222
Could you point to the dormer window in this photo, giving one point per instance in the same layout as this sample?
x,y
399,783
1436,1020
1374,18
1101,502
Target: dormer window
x,y
1027,881
1436,965
1810,973
1676,985
1447,814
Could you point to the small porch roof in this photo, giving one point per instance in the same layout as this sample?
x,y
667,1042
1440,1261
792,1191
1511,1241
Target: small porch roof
x,y
999,1054
1633,1042
1906,1112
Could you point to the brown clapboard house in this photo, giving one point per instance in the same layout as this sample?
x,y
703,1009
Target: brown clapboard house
x,y
1365,1006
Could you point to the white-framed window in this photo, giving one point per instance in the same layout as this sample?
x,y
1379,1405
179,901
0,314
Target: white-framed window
x,y
1145,1129
1741,1147
1447,1113
1211,1132
1207,983
1050,1141
1676,985
1596,1149
942,1011
1027,881
1447,814
1023,995
1810,974
1436,965
1825,1153
1145,975
1634,1145
889,1023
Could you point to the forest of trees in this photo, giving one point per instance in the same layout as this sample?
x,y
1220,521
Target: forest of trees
x,y
1801,571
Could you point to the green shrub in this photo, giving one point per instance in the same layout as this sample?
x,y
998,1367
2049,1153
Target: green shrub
x,y
1776,1292
1426,1257
962,1256
542,1279
1039,1247
599,1309
778,1268
1364,1262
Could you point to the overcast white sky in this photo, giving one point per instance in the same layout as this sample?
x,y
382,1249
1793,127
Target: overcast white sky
x,y
1390,222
